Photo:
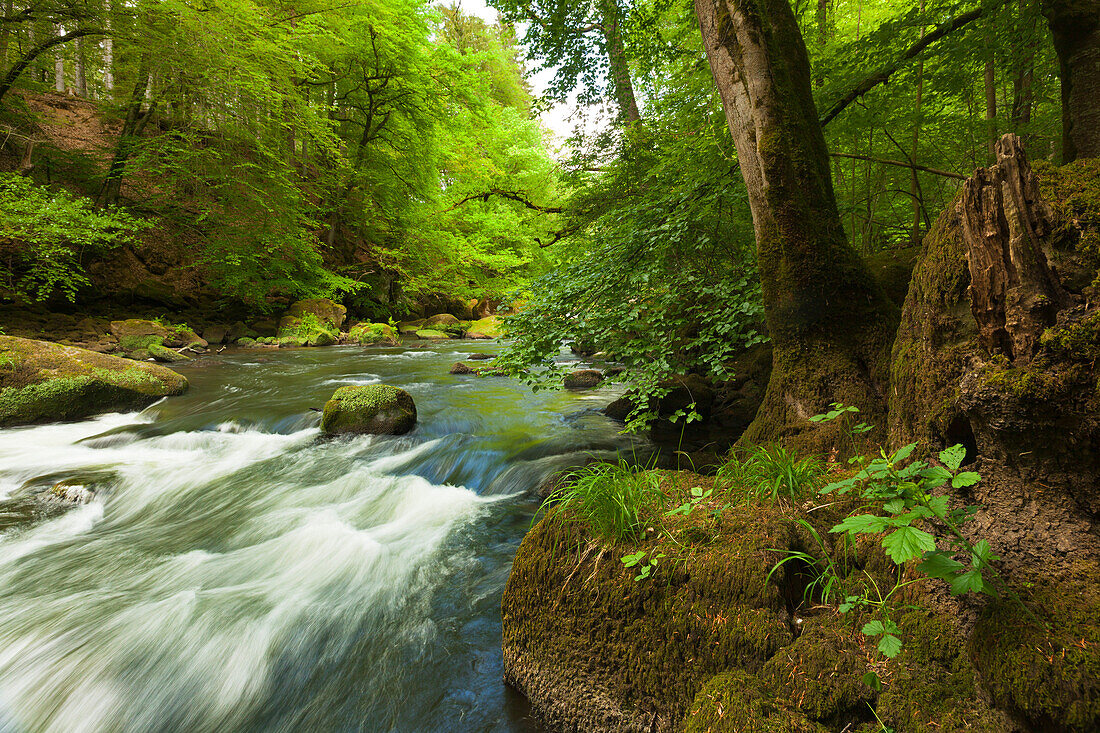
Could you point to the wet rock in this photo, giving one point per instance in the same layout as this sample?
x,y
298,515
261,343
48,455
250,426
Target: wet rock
x,y
460,368
489,327
165,355
216,334
442,319
377,409
69,494
409,327
481,357
583,379
367,334
44,382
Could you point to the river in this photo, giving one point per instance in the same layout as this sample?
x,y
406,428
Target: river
x,y
238,572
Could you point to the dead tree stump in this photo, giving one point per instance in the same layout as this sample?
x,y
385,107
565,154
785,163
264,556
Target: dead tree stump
x,y
1014,295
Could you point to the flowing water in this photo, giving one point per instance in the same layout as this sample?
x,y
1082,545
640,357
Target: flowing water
x,y
237,572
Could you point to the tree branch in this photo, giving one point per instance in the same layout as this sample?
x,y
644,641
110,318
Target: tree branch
x,y
900,164
30,56
883,75
510,195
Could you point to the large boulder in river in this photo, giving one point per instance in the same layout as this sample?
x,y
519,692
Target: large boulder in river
x,y
369,334
135,335
323,309
41,382
432,334
311,323
376,409
443,319
489,327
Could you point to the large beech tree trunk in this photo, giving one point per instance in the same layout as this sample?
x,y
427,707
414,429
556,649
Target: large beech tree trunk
x,y
1075,27
829,322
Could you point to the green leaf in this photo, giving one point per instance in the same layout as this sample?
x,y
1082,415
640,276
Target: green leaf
x,y
938,505
873,628
862,523
895,506
903,453
953,457
966,478
982,554
938,565
968,581
890,645
907,543
871,680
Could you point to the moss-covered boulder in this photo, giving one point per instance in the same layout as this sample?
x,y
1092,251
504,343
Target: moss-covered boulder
x,y
442,319
135,335
369,334
377,409
322,309
165,355
406,328
42,382
431,334
460,368
313,322
490,327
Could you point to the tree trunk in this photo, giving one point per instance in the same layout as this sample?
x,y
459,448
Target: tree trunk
x,y
1075,26
616,56
914,183
59,71
81,77
131,128
829,322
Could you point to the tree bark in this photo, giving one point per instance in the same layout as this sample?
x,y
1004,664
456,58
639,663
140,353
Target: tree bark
x,y
1075,27
132,128
616,56
1014,295
829,322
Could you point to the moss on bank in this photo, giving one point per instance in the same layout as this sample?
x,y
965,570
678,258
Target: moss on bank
x,y
41,381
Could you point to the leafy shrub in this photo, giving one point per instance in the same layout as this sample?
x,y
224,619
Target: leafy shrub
x,y
610,497
46,236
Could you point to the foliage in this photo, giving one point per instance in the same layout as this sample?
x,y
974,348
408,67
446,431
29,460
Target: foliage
x,y
609,497
47,236
770,473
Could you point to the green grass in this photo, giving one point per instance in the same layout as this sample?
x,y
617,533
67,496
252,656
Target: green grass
x,y
610,497
771,473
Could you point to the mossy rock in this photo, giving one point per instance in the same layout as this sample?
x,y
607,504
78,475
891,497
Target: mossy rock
x,y
323,310
409,327
135,334
735,702
489,327
442,319
165,355
1050,676
460,368
583,379
376,409
588,644
432,334
369,334
42,382
307,330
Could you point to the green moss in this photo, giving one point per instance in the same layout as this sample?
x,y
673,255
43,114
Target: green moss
x,y
488,327
733,702
306,330
1050,675
1073,192
931,686
373,333
1079,340
432,334
134,344
40,381
374,408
